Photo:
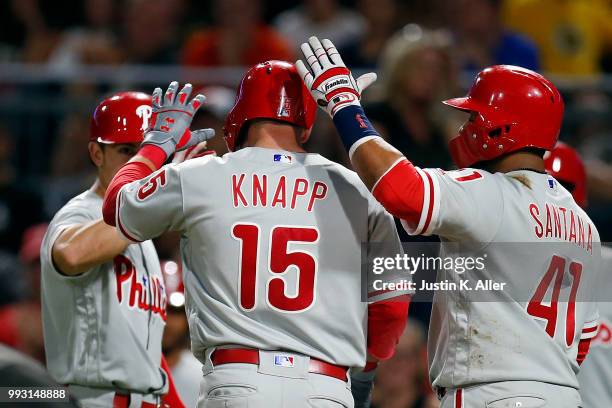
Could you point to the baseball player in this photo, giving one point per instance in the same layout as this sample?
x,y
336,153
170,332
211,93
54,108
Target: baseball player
x,y
271,243
565,165
523,346
103,299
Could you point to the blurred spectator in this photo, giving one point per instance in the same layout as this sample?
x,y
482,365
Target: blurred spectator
x,y
186,369
481,39
71,168
416,74
92,43
39,36
588,126
571,35
21,321
20,206
239,37
323,18
13,285
219,101
150,31
401,382
381,17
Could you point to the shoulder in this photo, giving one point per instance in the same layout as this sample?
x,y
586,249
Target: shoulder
x,y
467,176
193,165
345,173
86,204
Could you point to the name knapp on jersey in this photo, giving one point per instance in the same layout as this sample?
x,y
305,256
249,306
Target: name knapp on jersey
x,y
258,190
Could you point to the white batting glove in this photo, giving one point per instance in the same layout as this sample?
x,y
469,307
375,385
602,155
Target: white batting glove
x,y
330,82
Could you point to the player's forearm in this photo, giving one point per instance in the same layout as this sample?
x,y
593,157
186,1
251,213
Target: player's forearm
x,y
392,178
386,322
81,247
148,159
370,154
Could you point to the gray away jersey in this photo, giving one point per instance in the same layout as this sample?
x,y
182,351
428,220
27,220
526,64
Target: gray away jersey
x,y
271,246
537,241
103,328
595,375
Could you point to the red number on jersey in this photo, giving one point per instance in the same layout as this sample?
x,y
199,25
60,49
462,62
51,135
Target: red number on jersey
x,y
280,260
536,308
248,234
151,186
474,175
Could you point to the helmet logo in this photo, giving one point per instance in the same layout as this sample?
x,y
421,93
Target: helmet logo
x,y
284,107
144,112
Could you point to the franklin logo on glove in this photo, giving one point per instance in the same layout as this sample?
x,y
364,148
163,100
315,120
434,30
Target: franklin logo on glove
x,y
336,83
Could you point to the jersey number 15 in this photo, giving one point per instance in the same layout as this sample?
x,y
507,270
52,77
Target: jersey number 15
x,y
280,259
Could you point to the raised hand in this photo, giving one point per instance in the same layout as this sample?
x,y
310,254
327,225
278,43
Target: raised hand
x,y
330,82
173,113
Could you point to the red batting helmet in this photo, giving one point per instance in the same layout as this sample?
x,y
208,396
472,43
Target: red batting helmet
x,y
513,108
564,164
270,90
121,118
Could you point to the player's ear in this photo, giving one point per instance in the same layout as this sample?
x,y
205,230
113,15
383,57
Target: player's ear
x,y
304,136
96,153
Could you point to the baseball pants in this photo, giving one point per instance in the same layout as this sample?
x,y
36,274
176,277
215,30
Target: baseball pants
x,y
512,394
268,385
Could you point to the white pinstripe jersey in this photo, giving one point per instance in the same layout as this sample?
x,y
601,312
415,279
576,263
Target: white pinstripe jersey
x,y
542,245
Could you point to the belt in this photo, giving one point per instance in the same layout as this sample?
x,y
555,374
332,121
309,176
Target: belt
x,y
251,356
123,401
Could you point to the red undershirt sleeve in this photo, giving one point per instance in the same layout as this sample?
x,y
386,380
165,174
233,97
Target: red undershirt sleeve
x,y
130,171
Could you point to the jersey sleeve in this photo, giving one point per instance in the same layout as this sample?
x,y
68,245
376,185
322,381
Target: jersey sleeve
x,y
67,217
149,207
383,242
461,204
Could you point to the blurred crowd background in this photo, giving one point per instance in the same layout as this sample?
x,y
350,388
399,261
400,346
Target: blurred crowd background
x,y
59,58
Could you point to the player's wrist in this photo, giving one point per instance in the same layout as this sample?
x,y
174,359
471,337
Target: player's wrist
x,y
155,154
353,126
340,102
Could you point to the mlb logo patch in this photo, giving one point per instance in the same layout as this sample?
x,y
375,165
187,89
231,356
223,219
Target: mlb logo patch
x,y
281,360
282,158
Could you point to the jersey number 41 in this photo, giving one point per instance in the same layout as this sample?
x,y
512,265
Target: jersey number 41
x,y
550,313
